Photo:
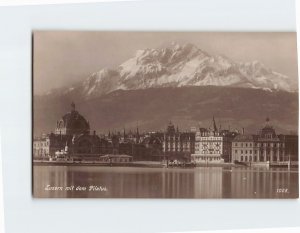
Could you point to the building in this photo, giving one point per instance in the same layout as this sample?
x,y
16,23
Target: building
x,y
72,135
208,147
178,145
270,146
41,147
72,123
213,145
266,147
245,148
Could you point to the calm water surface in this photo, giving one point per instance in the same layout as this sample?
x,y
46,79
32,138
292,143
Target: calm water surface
x,y
132,182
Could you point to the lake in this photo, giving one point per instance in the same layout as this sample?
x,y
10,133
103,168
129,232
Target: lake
x,y
136,182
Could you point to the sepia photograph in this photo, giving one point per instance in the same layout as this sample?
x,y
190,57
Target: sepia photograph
x,y
163,114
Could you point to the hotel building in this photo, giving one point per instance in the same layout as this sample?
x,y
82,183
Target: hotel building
x,y
213,145
266,147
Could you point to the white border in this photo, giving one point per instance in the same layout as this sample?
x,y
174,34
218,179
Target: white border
x,y
23,214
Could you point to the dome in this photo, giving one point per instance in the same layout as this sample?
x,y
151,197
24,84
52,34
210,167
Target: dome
x,y
267,132
171,128
72,123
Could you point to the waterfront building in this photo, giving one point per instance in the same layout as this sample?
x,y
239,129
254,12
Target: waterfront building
x,y
271,147
213,145
41,147
72,123
178,145
72,132
266,147
245,148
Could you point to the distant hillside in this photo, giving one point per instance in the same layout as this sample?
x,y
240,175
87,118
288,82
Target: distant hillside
x,y
153,108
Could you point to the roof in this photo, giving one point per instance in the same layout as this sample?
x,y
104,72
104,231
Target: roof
x,y
74,123
73,117
244,138
267,130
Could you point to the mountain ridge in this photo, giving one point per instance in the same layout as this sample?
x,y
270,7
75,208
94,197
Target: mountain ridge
x,y
153,108
176,66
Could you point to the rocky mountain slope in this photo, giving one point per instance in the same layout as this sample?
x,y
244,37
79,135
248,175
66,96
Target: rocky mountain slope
x,y
177,66
153,108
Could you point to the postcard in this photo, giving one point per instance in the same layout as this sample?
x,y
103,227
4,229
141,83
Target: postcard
x,y
165,115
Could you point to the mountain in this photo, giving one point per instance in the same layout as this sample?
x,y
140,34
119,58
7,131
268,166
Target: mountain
x,y
181,83
153,108
176,66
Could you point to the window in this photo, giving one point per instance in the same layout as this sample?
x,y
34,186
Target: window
x,y
236,151
255,151
246,158
246,152
250,151
242,158
246,144
241,151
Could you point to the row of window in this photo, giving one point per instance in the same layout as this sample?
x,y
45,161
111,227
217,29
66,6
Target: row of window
x,y
250,151
211,139
250,158
176,146
210,152
177,149
258,144
246,151
199,158
38,144
40,152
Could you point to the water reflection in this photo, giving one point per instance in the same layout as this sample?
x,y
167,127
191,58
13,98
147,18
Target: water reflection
x,y
204,182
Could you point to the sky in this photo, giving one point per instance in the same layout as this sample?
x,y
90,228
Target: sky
x,y
62,58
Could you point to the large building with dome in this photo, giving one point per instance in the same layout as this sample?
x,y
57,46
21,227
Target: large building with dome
x,y
71,137
72,123
265,147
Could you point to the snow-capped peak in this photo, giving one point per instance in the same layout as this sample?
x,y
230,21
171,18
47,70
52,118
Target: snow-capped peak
x,y
182,65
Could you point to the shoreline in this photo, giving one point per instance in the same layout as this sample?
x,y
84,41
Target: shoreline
x,y
146,164
130,164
